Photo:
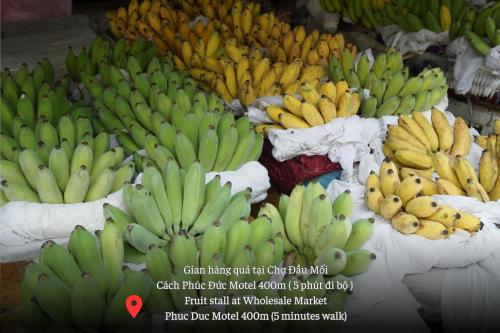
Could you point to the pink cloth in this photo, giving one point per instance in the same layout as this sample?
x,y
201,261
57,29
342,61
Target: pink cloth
x,y
21,10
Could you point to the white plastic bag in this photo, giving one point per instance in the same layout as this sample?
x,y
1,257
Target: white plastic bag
x,y
411,42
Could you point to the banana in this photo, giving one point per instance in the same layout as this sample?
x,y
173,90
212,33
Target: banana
x,y
238,237
334,259
319,216
448,188
421,207
428,130
83,155
292,103
46,186
409,188
85,249
390,206
182,250
60,261
431,230
413,159
373,180
414,129
101,185
292,217
77,186
238,208
335,234
362,231
389,181
468,222
444,168
154,182
358,262
405,223
213,242
464,170
476,190
173,186
400,132
373,199
445,215
87,302
311,114
54,298
12,173
194,194
443,130
488,170
142,204
246,141
261,231
213,209
277,223
462,142
343,204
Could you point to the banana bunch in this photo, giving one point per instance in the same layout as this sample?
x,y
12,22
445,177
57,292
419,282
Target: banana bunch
x,y
163,112
320,232
489,166
410,15
481,27
28,95
83,286
392,90
89,62
405,198
316,106
60,164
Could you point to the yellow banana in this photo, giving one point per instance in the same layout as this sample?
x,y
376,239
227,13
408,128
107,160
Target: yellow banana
x,y
289,120
462,141
488,170
443,130
444,168
421,207
311,114
429,131
373,199
414,129
409,188
390,206
446,215
413,159
327,109
293,104
405,223
431,230
446,187
468,222
389,182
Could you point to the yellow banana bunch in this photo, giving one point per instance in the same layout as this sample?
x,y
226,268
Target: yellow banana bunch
x,y
405,198
313,104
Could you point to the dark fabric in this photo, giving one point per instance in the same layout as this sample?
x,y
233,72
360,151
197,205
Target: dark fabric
x,y
285,175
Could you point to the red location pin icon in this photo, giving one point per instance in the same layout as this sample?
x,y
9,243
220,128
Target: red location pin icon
x,y
133,303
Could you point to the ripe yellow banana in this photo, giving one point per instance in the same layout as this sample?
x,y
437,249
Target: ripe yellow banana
x,y
409,188
431,230
293,104
446,215
468,222
446,187
373,199
476,190
429,131
464,170
390,206
443,129
289,120
413,159
463,140
421,207
405,223
389,182
410,125
444,168
488,170
311,114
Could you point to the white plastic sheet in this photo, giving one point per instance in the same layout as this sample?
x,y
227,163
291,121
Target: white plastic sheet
x,y
411,42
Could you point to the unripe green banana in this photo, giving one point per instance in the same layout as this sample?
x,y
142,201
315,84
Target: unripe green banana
x,y
394,86
213,209
9,147
320,216
362,231
164,105
213,241
111,244
158,264
101,185
244,258
379,65
123,175
358,262
19,192
237,209
26,111
59,165
243,149
262,231
83,126
389,107
145,210
421,100
66,130
153,181
83,155
46,186
182,251
184,150
343,204
77,186
33,318
238,237
333,258
411,87
265,256
54,298
12,173
292,217
48,134
101,163
277,224
335,235
87,302
43,151
141,238
194,194
60,261
216,262
85,249
101,145
407,105
228,142
172,182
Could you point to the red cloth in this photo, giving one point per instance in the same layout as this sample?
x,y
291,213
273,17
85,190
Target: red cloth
x,y
20,10
285,175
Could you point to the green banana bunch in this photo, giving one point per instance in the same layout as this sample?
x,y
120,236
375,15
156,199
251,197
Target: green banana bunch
x,y
61,164
83,287
392,90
